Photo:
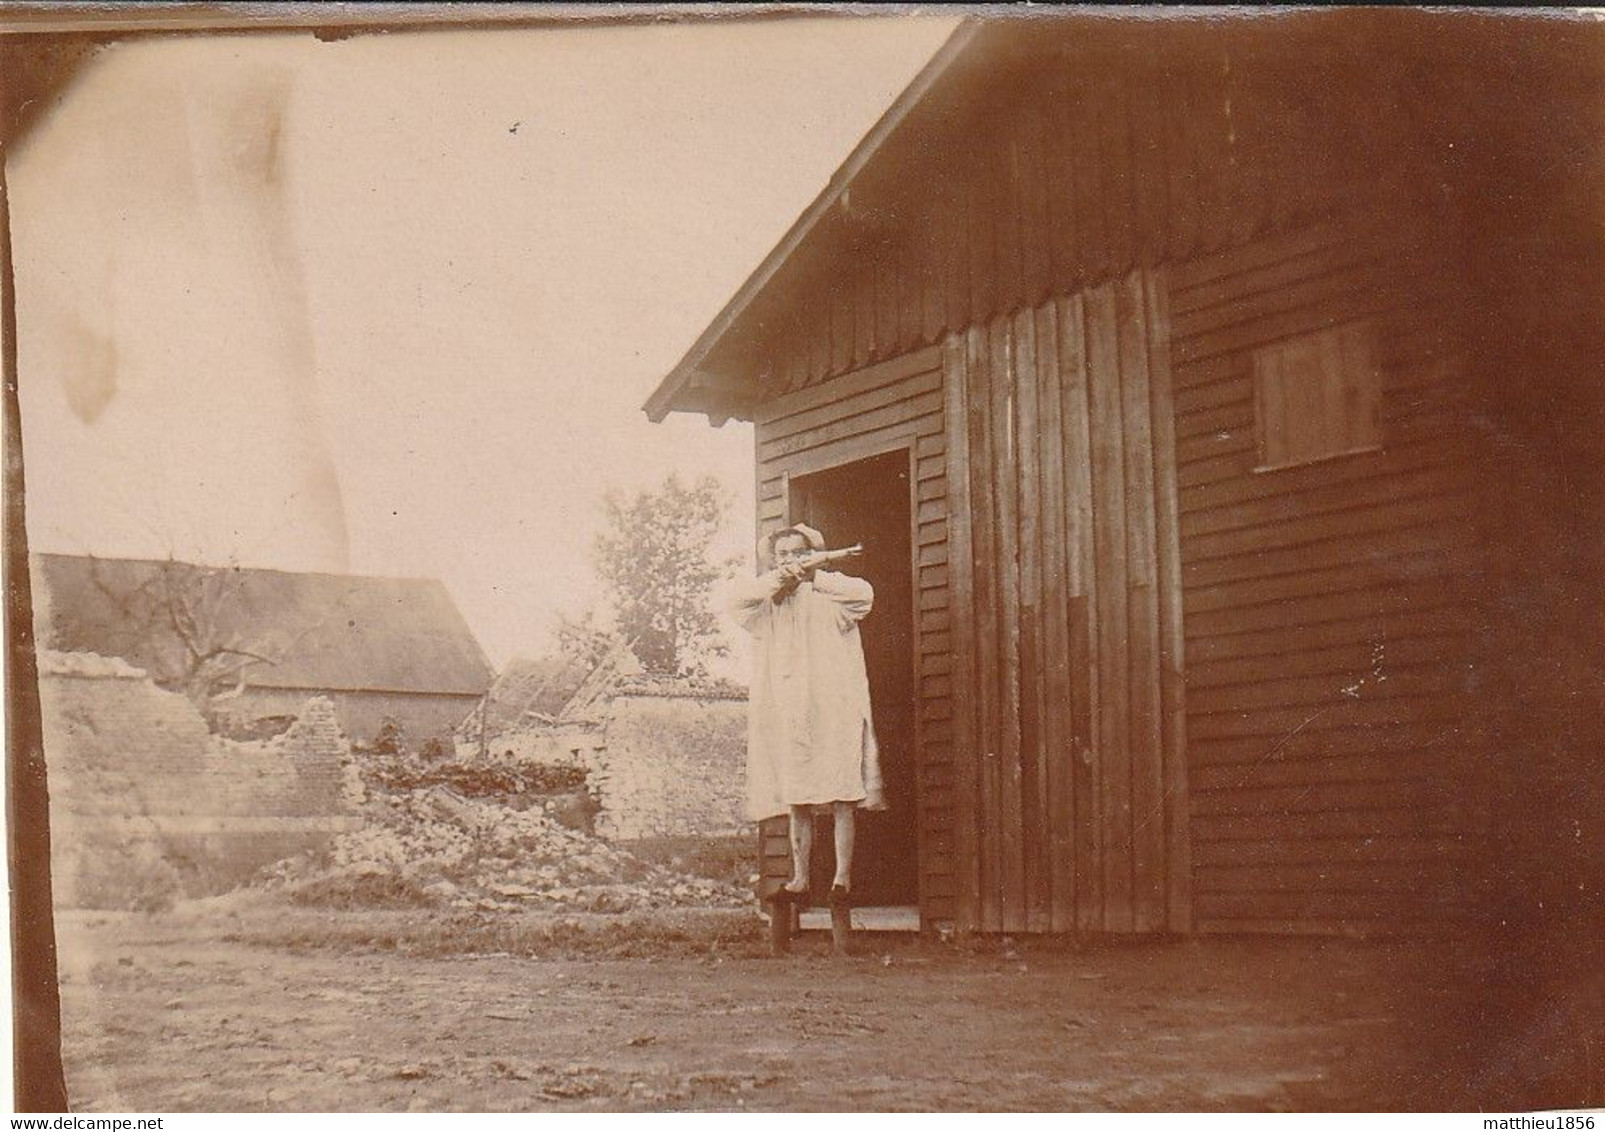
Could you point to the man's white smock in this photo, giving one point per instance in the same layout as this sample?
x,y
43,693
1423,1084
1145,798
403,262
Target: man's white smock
x,y
810,737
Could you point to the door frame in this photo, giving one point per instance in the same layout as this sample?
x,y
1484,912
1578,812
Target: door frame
x,y
838,454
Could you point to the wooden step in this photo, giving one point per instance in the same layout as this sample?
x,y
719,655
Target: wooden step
x,y
884,918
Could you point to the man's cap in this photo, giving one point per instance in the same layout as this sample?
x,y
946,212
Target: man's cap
x,y
766,545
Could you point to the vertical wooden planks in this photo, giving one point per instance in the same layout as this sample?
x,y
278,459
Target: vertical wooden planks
x,y
1080,627
841,326
1060,175
1203,89
1238,176
1033,795
786,370
1076,643
1096,183
1004,465
984,614
1024,392
1112,737
984,193
888,313
1145,122
1074,163
1056,747
934,263
819,343
912,264
966,794
1142,610
1136,430
1036,246
864,301
960,211
1008,228
1059,440
1114,126
1181,158
1172,640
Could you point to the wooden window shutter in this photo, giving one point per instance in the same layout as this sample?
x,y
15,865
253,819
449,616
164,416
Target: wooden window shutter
x,y
1317,397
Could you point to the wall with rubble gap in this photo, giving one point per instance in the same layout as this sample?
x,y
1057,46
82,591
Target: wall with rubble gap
x,y
673,766
561,744
422,715
145,802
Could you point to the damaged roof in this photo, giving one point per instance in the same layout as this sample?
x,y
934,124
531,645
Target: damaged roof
x,y
327,632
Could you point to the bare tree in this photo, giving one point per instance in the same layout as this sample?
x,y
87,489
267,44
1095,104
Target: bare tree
x,y
184,623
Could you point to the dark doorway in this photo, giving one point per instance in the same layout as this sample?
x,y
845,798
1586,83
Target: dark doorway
x,y
867,502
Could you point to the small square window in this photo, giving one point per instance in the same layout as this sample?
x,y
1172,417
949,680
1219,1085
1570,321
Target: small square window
x,y
1317,397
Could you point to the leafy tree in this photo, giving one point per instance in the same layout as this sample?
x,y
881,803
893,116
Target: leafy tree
x,y
582,638
656,558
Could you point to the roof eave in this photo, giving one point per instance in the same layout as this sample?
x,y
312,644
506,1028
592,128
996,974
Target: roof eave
x,y
668,396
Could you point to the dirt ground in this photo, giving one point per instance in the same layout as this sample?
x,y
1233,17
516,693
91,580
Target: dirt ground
x,y
230,1008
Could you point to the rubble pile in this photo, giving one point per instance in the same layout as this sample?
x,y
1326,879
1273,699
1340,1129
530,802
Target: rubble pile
x,y
436,848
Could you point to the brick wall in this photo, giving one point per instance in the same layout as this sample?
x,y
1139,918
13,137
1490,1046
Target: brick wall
x,y
145,801
674,763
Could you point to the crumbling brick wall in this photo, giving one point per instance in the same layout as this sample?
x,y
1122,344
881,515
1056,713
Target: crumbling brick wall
x,y
674,763
145,801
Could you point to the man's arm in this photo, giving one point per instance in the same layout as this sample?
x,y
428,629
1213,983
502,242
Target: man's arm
x,y
748,598
854,597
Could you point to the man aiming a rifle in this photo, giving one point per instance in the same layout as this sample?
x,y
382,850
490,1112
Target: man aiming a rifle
x,y
810,737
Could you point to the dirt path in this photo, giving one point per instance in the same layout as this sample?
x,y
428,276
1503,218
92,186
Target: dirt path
x,y
159,1016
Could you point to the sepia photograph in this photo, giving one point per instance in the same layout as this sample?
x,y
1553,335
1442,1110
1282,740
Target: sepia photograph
x,y
804,558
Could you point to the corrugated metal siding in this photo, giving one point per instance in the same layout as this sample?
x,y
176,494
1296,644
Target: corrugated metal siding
x,y
853,417
1334,737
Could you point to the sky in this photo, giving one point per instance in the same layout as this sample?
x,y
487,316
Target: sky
x,y
392,304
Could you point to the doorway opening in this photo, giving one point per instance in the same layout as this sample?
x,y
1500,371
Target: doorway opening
x,y
868,501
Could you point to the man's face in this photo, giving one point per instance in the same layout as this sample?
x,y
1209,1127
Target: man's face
x,y
789,549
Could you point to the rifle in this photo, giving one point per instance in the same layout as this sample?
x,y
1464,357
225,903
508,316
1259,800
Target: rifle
x,y
813,562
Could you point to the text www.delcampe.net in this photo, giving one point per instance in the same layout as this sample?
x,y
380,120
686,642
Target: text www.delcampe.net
x,y
87,1123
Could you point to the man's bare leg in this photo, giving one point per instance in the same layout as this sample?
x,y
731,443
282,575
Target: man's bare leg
x,y
802,847
843,815
841,921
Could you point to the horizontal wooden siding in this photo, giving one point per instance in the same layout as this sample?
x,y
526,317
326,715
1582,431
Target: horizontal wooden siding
x,y
1334,737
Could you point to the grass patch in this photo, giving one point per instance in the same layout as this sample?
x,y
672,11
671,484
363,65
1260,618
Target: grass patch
x,y
431,933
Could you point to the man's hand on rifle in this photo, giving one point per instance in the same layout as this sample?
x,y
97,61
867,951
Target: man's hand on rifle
x,y
795,563
790,575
